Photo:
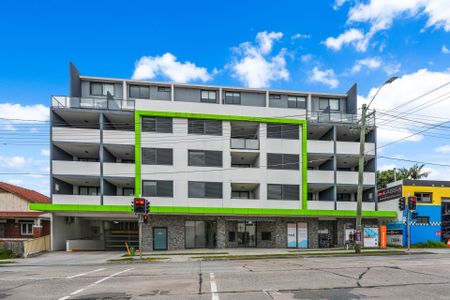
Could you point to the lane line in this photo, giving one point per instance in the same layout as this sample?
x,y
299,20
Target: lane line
x,y
97,282
214,296
82,274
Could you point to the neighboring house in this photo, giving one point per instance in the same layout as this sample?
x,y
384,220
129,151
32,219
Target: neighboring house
x,y
221,166
432,222
17,221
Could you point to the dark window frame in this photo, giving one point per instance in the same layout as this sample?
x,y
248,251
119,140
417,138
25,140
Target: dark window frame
x,y
328,103
156,160
205,126
205,190
88,190
156,125
283,192
266,236
205,158
274,97
282,131
419,197
140,94
283,165
102,84
164,89
157,194
235,100
303,106
208,100
128,194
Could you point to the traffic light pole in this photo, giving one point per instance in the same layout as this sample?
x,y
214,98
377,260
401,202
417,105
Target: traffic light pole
x,y
362,141
141,220
408,227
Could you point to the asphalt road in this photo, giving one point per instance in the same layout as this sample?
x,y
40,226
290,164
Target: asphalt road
x,y
419,276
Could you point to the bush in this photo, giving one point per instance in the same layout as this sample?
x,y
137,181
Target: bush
x,y
5,254
430,244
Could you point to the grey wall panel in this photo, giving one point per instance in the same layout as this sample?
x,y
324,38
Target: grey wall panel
x,y
187,94
109,189
253,99
85,89
64,187
60,154
327,195
352,100
75,82
155,95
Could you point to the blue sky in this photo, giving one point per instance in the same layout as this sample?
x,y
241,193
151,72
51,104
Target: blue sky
x,y
303,45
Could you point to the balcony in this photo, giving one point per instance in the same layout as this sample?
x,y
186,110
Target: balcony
x,y
351,178
320,176
79,168
338,117
75,199
352,148
248,144
93,103
320,147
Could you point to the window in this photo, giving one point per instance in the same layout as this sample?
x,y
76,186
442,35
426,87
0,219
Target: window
x,y
424,197
157,124
283,192
296,102
232,98
207,127
157,156
343,197
26,228
157,188
274,97
282,161
101,89
240,195
332,104
164,89
139,91
282,131
198,189
423,220
88,190
231,236
266,236
202,158
208,96
128,192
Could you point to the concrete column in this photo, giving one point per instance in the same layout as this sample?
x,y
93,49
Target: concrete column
x,y
220,96
334,167
102,188
280,234
124,90
172,92
313,235
267,98
221,235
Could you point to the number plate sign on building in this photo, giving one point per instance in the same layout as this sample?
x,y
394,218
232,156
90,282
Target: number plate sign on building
x,y
390,193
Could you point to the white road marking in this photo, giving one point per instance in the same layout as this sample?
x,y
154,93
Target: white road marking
x,y
97,282
82,274
215,296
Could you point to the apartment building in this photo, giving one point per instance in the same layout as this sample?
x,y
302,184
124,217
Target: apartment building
x,y
221,166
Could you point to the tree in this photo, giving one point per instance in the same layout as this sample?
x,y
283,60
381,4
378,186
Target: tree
x,y
414,172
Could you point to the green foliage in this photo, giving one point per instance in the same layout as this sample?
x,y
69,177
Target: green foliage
x,y
415,172
6,254
430,244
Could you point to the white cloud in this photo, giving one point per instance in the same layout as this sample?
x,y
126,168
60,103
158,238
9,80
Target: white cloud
x,y
167,65
306,58
445,50
326,77
392,68
338,3
255,66
352,36
45,152
437,173
399,94
14,162
14,113
444,149
386,167
298,36
370,63
15,181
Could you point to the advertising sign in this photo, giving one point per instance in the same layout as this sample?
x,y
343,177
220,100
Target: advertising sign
x,y
390,193
292,235
371,237
394,234
302,235
383,236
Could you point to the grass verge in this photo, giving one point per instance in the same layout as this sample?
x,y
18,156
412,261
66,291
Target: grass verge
x,y
133,259
430,244
294,255
7,254
6,262
181,253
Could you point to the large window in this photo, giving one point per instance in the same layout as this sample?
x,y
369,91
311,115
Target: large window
x,y
128,191
88,190
296,102
157,156
101,89
164,89
240,195
139,91
332,104
157,124
207,127
201,158
283,192
157,188
208,96
282,131
26,228
282,161
424,197
198,189
232,98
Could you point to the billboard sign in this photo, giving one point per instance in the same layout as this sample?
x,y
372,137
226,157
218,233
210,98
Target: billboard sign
x,y
371,237
390,193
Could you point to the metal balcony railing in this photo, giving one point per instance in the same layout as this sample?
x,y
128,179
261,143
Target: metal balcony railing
x,y
92,103
339,117
239,143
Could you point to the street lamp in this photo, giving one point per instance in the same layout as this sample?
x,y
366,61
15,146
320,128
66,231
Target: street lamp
x,y
362,141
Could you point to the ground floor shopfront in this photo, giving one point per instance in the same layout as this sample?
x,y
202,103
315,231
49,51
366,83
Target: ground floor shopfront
x,y
189,232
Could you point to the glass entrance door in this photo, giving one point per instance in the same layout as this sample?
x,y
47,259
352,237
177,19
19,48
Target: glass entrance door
x,y
159,238
246,234
200,234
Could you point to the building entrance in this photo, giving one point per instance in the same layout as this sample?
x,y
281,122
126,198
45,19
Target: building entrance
x,y
200,234
246,236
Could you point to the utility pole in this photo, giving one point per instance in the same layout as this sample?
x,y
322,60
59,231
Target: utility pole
x,y
362,141
141,221
395,174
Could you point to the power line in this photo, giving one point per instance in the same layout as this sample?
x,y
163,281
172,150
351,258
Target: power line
x,y
414,161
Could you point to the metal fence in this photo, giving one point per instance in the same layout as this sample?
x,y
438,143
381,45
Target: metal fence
x,y
92,103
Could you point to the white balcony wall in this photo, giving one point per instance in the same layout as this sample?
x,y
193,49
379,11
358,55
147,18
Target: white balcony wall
x,y
76,135
118,137
75,199
118,169
320,176
84,168
352,148
283,146
320,147
328,205
117,200
366,206
352,178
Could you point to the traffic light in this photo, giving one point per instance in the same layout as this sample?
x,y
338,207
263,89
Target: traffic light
x,y
147,207
401,204
145,219
139,205
412,201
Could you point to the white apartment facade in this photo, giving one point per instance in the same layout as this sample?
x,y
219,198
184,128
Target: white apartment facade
x,y
221,166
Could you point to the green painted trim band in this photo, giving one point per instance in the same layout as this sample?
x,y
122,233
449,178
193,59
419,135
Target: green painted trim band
x,y
137,122
213,210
